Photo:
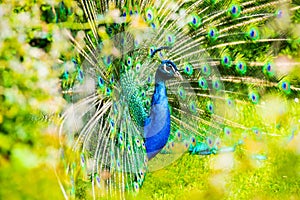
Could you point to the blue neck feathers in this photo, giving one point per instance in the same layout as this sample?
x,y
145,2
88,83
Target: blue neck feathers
x,y
157,125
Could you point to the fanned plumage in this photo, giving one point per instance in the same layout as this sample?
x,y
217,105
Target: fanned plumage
x,y
227,53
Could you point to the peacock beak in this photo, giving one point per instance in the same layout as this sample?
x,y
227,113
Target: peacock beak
x,y
178,75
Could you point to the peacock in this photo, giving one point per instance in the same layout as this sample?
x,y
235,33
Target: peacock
x,y
147,78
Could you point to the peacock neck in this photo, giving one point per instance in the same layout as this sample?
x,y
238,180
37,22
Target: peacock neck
x,y
157,125
160,94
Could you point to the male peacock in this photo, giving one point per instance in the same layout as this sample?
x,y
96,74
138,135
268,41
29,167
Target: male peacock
x,y
166,76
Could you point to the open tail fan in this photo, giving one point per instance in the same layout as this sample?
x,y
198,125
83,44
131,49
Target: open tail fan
x,y
229,57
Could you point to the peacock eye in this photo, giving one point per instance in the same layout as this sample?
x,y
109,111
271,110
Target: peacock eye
x,y
167,68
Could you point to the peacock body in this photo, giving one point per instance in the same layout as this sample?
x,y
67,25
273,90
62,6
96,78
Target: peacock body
x,y
168,77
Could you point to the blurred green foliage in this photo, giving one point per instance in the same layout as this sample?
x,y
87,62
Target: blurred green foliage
x,y
28,87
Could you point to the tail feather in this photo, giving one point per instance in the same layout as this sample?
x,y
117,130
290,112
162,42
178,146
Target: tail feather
x,y
227,54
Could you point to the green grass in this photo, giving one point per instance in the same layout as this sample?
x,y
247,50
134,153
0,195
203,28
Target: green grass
x,y
237,175
198,177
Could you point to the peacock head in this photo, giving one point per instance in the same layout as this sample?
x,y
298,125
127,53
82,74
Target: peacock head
x,y
167,70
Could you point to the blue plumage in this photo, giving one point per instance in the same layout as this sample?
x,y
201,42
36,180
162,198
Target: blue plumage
x,y
157,125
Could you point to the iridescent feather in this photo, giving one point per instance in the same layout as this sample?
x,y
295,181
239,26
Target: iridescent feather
x,y
226,54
